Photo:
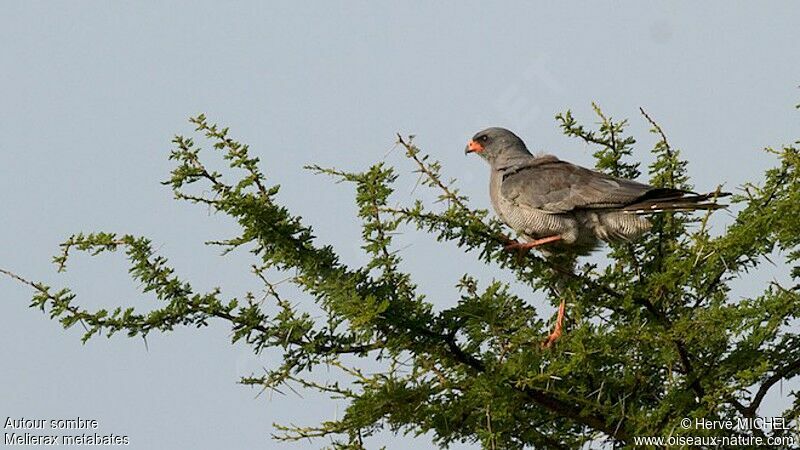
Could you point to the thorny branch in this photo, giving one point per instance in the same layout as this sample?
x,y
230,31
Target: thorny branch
x,y
479,351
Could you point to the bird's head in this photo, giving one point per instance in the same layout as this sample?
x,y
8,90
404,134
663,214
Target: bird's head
x,y
498,146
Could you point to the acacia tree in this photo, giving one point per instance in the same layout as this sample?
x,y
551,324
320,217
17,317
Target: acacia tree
x,y
653,337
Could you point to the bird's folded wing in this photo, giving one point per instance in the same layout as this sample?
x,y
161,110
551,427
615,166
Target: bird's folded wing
x,y
555,186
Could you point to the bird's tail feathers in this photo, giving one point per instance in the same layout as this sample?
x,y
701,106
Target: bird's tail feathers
x,y
679,202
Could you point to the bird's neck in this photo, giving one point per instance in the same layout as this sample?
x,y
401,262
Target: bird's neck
x,y
510,160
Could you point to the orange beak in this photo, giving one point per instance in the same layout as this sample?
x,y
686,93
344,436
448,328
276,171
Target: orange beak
x,y
473,147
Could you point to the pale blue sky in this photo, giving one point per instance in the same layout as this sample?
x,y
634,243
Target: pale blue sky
x,y
92,92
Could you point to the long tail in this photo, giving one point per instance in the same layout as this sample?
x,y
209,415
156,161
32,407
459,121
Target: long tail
x,y
673,200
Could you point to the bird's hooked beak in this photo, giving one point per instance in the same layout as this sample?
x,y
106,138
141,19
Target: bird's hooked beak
x,y
473,147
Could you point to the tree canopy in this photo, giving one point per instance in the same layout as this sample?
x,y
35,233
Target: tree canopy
x,y
653,336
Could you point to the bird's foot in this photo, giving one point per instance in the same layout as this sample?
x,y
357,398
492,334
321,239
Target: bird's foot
x,y
558,329
525,246
517,247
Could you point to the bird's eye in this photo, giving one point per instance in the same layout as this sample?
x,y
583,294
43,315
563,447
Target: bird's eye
x,y
483,138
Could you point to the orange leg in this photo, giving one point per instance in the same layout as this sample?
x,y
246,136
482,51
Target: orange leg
x,y
559,327
516,245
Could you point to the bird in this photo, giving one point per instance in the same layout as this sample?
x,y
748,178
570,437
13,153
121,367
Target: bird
x,y
566,209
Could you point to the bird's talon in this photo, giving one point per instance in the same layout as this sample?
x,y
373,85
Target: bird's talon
x,y
559,326
549,341
514,245
526,246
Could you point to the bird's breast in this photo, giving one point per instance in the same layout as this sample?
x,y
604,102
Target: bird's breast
x,y
495,196
531,222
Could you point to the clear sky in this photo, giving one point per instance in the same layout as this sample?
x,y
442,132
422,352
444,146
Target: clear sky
x,y
92,92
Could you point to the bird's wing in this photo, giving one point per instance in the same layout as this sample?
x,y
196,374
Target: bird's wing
x,y
554,186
